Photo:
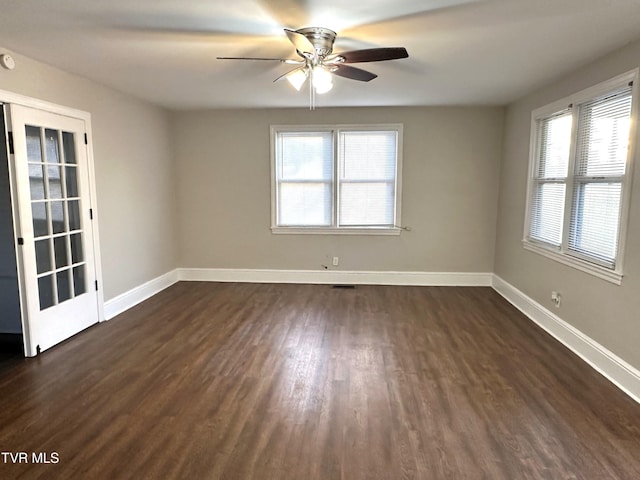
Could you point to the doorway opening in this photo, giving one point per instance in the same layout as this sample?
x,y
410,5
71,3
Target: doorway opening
x,y
11,335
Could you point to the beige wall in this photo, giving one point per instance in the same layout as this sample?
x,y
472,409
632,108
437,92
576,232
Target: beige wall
x,y
133,163
608,313
450,182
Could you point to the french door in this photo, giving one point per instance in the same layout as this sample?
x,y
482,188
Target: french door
x,y
54,210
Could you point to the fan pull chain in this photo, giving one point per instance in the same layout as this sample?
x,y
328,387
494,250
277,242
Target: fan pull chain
x,y
312,92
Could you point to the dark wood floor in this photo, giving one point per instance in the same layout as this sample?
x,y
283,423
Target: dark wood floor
x,y
248,381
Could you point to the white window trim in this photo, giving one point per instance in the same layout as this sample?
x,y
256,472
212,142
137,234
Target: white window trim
x,y
561,254
299,230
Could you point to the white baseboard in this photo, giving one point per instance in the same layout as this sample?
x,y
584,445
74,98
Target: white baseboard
x,y
136,295
130,299
616,370
336,277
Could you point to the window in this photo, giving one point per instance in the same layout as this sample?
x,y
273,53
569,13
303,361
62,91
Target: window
x,y
579,182
336,179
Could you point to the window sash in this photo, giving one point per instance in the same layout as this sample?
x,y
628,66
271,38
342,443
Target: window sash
x,y
542,228
595,225
363,203
600,158
548,195
324,208
372,177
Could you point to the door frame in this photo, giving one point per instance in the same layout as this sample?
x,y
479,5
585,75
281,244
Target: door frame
x,y
7,97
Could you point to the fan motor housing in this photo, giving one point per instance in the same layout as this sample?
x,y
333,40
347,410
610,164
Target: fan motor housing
x,y
321,38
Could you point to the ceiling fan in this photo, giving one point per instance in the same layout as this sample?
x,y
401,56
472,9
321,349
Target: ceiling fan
x,y
318,62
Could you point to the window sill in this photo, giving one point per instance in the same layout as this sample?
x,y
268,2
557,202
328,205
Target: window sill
x,y
335,231
595,270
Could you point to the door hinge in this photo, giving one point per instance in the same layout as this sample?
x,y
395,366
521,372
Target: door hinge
x,y
96,285
20,241
10,138
91,213
86,139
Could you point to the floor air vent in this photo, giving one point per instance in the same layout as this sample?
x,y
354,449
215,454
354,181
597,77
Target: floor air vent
x,y
343,286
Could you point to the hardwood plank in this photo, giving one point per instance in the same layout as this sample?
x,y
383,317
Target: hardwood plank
x,y
251,381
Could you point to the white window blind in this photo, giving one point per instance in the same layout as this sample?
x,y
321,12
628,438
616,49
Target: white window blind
x,y
336,177
577,186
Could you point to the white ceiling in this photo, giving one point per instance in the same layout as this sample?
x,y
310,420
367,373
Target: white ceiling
x,y
461,52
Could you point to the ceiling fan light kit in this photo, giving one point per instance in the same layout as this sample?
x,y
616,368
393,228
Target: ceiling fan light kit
x,y
318,62
297,77
321,79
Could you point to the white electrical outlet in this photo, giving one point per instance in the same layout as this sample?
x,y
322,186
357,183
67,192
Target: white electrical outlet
x,y
556,298
336,261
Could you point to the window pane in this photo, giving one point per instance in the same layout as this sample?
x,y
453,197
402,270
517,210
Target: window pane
x,y
304,204
368,155
45,291
43,256
74,215
71,181
366,204
595,220
36,182
51,143
60,249
57,217
78,280
69,147
55,181
305,156
64,286
554,135
547,213
40,219
603,135
34,147
76,248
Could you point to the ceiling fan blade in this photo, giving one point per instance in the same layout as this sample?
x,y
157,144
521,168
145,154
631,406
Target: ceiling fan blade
x,y
281,60
374,54
353,73
299,41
